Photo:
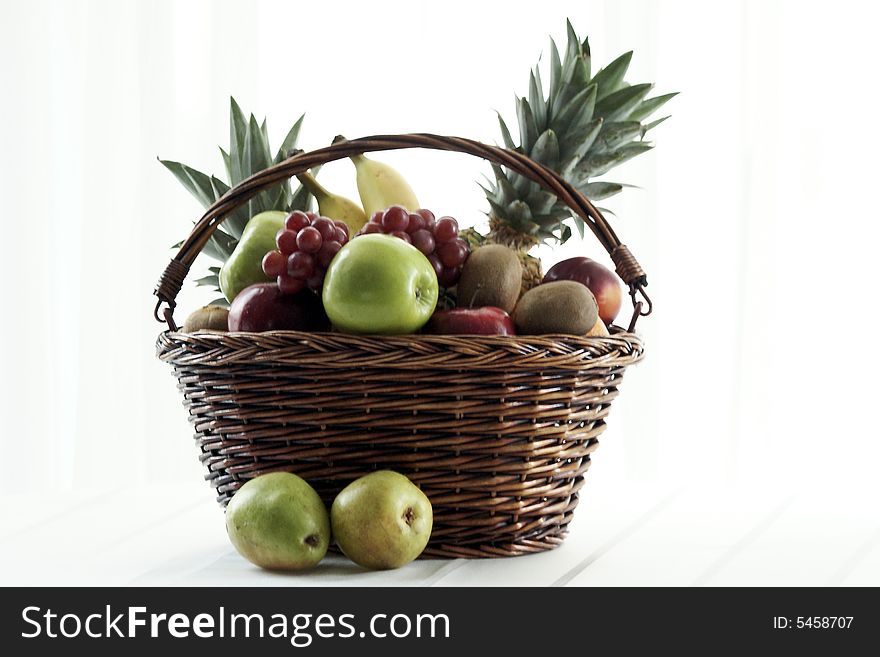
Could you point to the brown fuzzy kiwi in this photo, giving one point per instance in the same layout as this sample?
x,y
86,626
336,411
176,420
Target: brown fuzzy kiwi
x,y
557,307
492,276
209,318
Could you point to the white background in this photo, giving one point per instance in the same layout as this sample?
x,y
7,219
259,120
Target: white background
x,y
756,221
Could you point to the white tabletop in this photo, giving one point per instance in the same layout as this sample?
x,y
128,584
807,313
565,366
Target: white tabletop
x,y
622,534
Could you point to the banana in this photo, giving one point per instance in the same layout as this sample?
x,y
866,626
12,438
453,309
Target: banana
x,y
334,206
381,186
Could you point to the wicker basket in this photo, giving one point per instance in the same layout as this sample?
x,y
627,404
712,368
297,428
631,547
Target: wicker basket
x,y
496,430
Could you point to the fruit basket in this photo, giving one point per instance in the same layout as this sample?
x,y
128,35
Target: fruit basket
x,y
498,431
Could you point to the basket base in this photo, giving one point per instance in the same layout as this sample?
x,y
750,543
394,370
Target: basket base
x,y
490,551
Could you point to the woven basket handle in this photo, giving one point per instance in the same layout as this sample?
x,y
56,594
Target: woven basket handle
x,y
626,265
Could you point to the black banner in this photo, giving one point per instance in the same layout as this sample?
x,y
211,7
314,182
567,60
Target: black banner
x,y
420,621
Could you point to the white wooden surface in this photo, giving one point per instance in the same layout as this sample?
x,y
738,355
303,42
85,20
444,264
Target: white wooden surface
x,y
623,534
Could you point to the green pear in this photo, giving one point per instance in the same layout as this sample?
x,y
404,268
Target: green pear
x,y
277,521
245,266
382,520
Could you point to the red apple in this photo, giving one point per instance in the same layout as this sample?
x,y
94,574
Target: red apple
x,y
262,307
486,320
601,281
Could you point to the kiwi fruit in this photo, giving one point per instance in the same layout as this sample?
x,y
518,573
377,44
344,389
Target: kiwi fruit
x,y
210,318
557,307
492,276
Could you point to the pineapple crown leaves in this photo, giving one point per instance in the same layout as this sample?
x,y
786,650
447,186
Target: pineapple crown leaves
x,y
248,154
582,127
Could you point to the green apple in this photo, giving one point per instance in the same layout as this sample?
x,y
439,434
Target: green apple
x,y
379,284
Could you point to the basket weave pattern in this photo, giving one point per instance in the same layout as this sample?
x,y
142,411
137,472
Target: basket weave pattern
x,y
496,430
498,433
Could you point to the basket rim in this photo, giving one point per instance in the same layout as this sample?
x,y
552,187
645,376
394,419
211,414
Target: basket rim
x,y
411,351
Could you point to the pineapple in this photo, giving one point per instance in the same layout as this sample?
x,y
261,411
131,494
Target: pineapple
x,y
584,127
248,153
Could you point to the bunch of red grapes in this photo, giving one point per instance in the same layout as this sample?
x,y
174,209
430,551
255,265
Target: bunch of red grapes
x,y
306,245
437,238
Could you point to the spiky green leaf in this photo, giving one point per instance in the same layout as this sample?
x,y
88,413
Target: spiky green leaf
x,y
610,78
197,183
506,193
257,156
650,105
301,199
584,141
541,202
234,223
555,70
264,128
619,105
274,199
579,224
536,98
546,150
219,187
290,140
220,246
523,186
520,216
572,55
576,118
579,109
597,191
226,163
616,134
596,165
583,49
497,209
528,129
566,234
505,134
554,215
574,43
581,75
237,131
652,125
211,280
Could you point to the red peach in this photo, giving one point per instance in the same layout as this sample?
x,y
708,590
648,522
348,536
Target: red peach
x,y
602,282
